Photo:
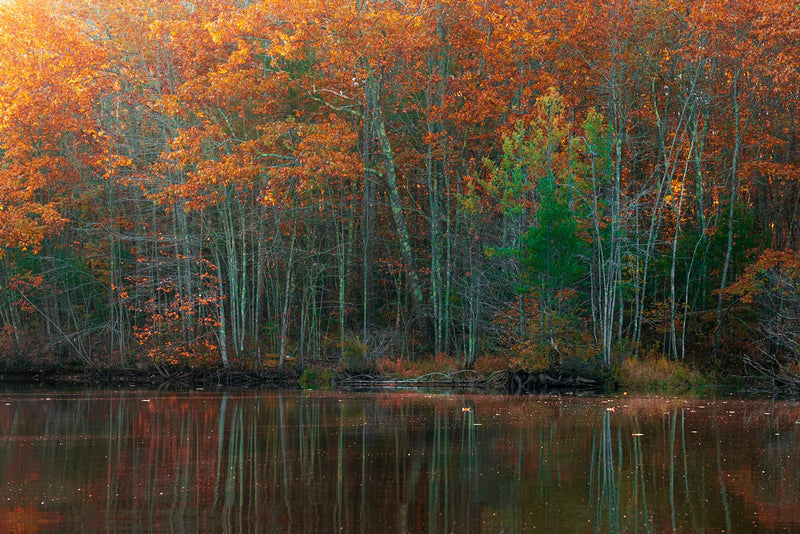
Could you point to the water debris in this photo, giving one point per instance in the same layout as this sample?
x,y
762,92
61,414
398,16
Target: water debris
x,y
462,378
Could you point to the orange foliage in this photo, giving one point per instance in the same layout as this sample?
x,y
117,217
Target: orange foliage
x,y
50,81
178,327
114,116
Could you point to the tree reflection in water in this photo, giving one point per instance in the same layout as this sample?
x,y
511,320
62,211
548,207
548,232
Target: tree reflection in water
x,y
392,462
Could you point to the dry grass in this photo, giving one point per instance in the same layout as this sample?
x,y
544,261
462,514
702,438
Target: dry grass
x,y
491,364
658,374
402,368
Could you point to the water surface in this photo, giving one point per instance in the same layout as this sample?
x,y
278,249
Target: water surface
x,y
133,461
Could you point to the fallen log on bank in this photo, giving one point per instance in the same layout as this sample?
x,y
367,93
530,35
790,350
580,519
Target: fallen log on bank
x,y
516,382
464,378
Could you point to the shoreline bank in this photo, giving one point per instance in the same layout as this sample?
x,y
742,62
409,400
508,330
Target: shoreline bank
x,y
505,381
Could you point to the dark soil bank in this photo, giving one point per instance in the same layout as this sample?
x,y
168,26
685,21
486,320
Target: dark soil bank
x,y
189,378
514,382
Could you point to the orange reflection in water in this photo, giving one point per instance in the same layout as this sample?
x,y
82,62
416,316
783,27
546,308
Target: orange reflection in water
x,y
27,520
403,462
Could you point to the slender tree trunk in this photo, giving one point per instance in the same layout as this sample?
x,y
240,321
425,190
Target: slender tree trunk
x,y
222,333
341,279
287,294
367,231
260,283
375,114
436,252
731,208
673,341
669,154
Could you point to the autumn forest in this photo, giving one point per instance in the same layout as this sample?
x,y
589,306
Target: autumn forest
x,y
240,183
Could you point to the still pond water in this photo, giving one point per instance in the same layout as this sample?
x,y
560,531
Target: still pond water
x,y
144,461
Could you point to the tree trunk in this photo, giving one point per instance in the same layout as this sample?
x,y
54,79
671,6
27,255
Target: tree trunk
x,y
731,208
375,116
